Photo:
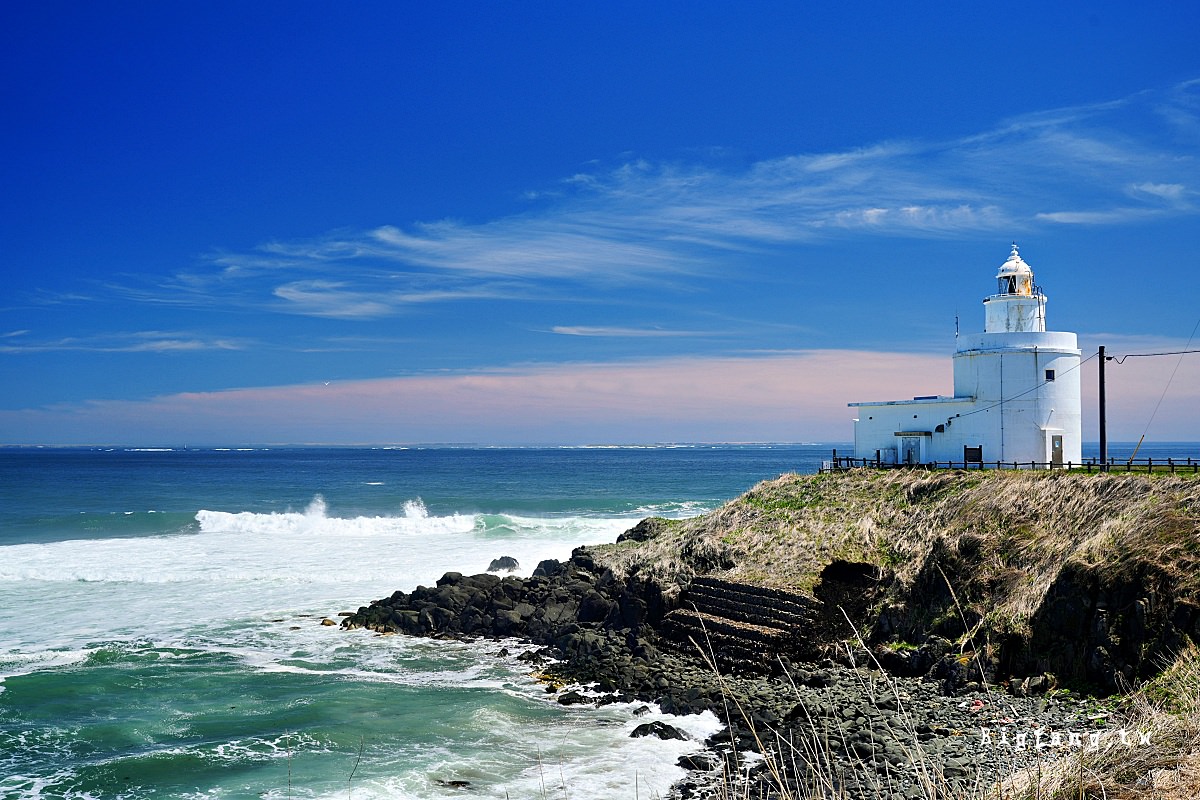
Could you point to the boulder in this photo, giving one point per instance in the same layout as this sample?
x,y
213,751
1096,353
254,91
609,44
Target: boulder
x,y
644,530
699,762
595,607
504,564
572,698
450,578
660,729
549,568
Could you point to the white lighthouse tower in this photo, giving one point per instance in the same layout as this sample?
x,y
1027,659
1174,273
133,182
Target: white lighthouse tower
x,y
1016,391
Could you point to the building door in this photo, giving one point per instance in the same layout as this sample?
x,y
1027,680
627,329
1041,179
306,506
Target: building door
x,y
910,450
1056,450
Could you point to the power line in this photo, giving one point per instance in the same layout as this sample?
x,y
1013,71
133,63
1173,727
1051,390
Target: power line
x,y
1118,359
1121,359
1181,354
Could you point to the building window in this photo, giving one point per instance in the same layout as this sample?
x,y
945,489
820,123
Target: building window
x,y
1049,375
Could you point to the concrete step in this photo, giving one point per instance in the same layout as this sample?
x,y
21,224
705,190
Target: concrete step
x,y
749,604
745,608
728,643
784,600
701,622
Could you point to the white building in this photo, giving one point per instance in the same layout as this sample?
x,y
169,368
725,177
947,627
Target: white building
x,y
1016,392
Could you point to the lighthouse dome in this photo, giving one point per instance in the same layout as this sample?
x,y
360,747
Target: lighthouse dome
x,y
1015,276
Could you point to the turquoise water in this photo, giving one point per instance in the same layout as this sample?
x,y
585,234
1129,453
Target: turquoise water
x,y
161,633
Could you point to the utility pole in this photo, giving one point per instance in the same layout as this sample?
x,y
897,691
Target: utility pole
x,y
1103,421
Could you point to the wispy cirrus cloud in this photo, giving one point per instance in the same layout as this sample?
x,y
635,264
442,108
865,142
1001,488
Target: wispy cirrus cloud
x,y
134,342
1111,216
1117,162
617,331
1170,192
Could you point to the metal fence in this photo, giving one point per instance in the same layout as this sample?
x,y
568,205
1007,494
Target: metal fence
x,y
1186,465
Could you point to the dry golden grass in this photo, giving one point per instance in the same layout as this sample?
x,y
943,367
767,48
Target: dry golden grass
x,y
1001,537
1164,766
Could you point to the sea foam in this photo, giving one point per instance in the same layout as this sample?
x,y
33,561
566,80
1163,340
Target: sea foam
x,y
316,520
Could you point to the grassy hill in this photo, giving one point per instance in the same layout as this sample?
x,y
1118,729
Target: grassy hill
x,y
1093,579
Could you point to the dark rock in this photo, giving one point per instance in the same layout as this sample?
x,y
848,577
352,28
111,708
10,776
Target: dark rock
x,y
549,568
595,607
572,698
532,657
484,581
644,530
660,729
506,623
583,560
817,679
699,762
504,564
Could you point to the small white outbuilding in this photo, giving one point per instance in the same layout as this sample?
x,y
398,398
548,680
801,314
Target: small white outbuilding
x,y
1016,392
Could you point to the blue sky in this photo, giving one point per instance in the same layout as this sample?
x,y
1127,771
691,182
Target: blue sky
x,y
542,222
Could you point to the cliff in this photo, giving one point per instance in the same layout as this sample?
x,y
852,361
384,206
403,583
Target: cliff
x,y
1091,579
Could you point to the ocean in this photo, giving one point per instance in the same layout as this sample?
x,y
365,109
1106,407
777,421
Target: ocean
x,y
161,636
161,631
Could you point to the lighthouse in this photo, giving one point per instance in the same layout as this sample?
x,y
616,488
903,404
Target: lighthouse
x,y
1016,391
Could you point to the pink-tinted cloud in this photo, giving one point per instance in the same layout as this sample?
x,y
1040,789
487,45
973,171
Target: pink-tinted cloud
x,y
790,396
784,397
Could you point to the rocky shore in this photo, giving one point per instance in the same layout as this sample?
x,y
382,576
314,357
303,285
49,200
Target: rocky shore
x,y
839,719
881,674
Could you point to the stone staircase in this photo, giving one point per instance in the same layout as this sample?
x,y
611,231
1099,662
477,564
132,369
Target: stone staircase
x,y
741,625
